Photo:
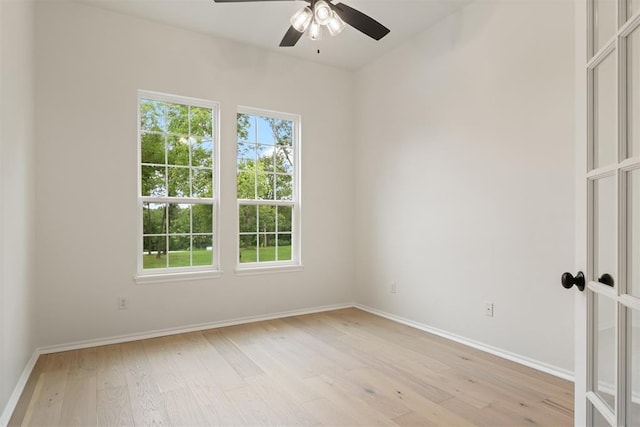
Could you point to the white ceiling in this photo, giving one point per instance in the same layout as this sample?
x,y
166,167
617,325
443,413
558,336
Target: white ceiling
x,y
263,24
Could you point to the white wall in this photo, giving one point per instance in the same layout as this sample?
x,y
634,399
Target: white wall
x,y
91,63
17,207
464,177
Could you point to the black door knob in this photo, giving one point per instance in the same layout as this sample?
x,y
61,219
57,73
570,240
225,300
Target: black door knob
x,y
568,281
606,279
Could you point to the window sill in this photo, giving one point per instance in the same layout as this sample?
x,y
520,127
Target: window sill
x,y
146,279
254,271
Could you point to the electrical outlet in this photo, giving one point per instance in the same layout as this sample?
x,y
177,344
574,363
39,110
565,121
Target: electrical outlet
x,y
123,304
394,287
488,309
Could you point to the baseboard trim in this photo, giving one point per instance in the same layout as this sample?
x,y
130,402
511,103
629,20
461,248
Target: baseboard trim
x,y
514,357
18,389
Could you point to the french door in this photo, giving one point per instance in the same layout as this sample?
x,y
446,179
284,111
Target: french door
x,y
613,213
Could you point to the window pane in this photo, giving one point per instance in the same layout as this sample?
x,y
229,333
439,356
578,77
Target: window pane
x,y
604,22
179,251
633,93
153,218
282,131
178,182
265,133
179,219
247,185
605,241
284,218
202,218
267,219
284,187
633,403
201,121
265,165
265,186
202,183
248,248
244,127
284,160
265,155
152,148
177,117
604,354
248,219
633,241
151,116
604,114
597,419
267,248
202,250
178,150
246,156
155,252
153,181
634,6
201,152
284,247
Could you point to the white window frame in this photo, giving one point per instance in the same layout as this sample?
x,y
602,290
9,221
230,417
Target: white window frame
x,y
295,264
173,274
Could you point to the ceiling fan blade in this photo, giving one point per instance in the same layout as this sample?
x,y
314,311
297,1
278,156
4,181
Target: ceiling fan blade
x,y
360,21
290,38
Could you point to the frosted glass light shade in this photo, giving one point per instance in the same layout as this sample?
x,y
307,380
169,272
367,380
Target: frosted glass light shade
x,y
301,19
315,31
335,24
322,12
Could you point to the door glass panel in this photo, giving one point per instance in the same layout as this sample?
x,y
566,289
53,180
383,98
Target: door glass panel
x,y
604,22
633,364
604,349
604,112
634,7
633,232
605,227
633,93
597,419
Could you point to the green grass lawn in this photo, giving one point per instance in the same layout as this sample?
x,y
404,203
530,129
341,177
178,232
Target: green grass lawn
x,y
203,257
267,253
178,259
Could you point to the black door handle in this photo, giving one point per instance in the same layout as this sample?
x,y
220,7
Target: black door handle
x,y
606,279
568,280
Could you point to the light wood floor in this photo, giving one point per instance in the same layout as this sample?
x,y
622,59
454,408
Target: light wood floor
x,y
344,367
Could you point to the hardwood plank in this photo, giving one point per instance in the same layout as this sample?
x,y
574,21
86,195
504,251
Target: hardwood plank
x,y
243,365
110,370
113,407
80,406
144,393
217,407
328,413
47,405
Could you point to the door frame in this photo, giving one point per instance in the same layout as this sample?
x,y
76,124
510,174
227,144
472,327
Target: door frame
x,y
580,298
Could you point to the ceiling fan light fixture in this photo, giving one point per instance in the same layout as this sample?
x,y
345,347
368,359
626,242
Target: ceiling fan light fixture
x,y
301,19
315,31
335,24
322,12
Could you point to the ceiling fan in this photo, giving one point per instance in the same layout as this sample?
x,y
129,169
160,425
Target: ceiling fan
x,y
321,13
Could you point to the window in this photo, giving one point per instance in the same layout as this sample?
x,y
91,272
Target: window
x,y
268,189
177,197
